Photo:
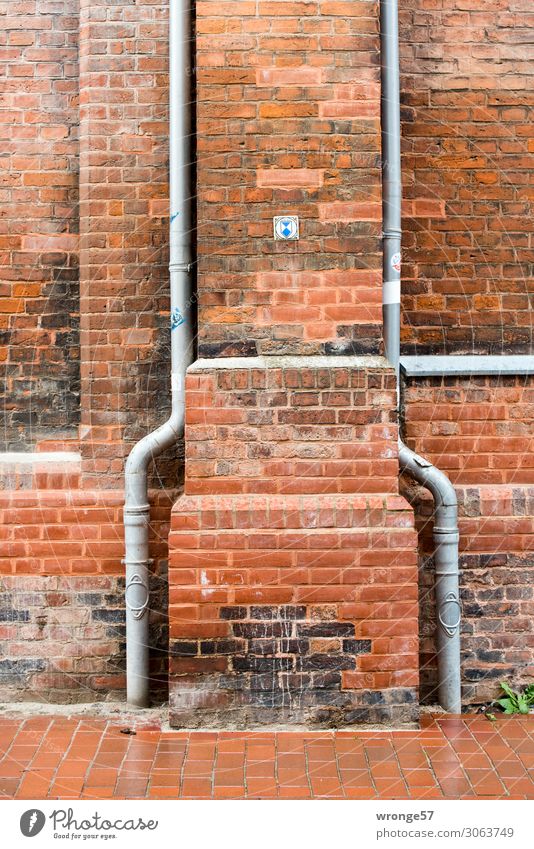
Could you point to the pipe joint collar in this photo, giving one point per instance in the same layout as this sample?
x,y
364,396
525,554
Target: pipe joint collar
x,y
446,535
136,509
447,570
136,520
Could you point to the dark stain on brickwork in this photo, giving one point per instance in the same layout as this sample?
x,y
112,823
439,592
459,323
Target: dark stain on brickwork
x,y
87,615
277,665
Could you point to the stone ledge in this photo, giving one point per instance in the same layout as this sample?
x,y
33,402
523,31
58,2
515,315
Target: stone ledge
x,y
312,362
466,366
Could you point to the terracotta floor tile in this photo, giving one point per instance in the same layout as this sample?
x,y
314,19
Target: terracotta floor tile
x,y
197,787
356,777
360,793
291,761
222,792
412,761
198,769
43,760
164,780
229,746
167,761
419,778
260,770
23,754
296,792
51,756
316,769
67,786
326,787
100,793
199,752
261,787
162,793
101,777
8,787
11,769
456,788
70,767
295,777
510,769
425,793
34,786
257,752
519,785
388,788
231,761
229,777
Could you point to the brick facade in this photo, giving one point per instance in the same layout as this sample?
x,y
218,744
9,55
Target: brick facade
x,y
288,122
293,586
124,300
479,431
467,79
39,297
62,628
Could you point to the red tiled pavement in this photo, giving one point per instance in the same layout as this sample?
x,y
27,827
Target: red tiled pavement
x,y
77,757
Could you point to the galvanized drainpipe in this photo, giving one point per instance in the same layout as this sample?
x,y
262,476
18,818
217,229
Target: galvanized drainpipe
x,y
446,534
137,508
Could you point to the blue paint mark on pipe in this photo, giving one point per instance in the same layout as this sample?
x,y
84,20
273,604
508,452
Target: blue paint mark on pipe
x,y
177,319
174,217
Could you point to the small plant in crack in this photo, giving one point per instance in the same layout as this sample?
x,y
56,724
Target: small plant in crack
x,y
516,701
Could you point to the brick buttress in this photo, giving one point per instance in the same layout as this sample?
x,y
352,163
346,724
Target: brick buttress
x,y
292,557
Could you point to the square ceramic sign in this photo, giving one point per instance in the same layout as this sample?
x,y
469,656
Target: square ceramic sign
x,y
286,227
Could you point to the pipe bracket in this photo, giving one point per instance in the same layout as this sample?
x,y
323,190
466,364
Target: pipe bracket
x,y
450,628
185,267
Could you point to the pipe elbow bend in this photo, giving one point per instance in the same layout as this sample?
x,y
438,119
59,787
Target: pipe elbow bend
x,y
425,473
152,445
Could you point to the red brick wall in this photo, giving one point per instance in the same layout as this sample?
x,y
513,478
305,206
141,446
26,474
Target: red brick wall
x,y
479,431
67,526
292,561
288,122
468,143
65,638
62,631
124,226
39,355
294,428
51,532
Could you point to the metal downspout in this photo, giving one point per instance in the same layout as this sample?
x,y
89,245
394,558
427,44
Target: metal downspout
x,y
137,508
446,534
